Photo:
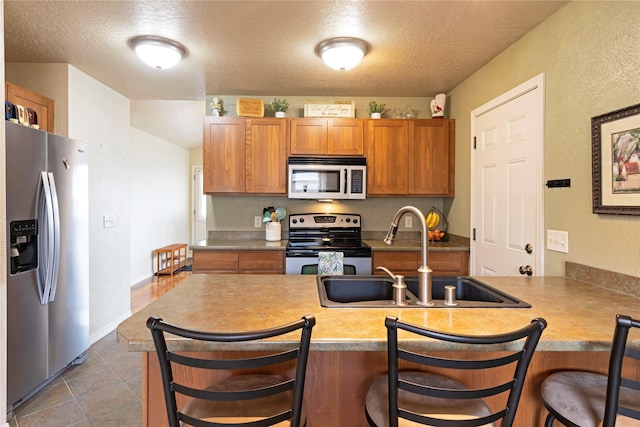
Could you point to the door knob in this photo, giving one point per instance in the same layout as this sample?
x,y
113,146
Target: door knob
x,y
528,270
528,248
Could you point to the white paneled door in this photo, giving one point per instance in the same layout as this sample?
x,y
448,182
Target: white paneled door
x,y
507,216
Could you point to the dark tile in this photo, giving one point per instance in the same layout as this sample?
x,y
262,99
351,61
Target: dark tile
x,y
109,349
110,403
53,394
95,382
63,415
131,373
92,365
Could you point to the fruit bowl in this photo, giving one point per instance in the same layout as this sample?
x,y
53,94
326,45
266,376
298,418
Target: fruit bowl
x,y
436,225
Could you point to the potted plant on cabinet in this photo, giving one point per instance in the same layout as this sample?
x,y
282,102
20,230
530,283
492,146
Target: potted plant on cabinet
x,y
279,106
375,109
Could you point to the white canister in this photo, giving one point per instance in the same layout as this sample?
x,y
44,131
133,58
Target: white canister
x,y
274,231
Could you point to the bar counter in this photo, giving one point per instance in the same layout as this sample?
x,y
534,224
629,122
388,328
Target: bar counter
x,y
348,346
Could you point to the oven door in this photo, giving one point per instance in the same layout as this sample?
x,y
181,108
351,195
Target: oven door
x,y
309,265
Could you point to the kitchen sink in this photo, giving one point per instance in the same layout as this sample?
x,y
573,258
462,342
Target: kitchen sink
x,y
377,292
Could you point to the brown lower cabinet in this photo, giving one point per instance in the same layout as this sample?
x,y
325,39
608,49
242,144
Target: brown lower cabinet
x,y
445,263
238,262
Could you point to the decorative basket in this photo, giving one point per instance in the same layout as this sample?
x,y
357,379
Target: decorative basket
x,y
437,229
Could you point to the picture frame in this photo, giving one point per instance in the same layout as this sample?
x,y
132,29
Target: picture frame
x,y
615,141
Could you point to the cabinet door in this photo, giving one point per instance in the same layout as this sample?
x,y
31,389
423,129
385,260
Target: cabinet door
x,y
308,136
267,148
261,262
218,262
398,262
345,137
224,155
43,106
431,160
454,263
387,151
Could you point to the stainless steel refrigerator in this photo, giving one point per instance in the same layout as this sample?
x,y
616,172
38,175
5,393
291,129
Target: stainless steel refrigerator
x,y
48,267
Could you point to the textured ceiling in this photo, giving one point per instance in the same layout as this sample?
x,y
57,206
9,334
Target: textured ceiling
x,y
258,48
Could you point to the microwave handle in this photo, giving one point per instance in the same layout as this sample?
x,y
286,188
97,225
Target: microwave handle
x,y
346,181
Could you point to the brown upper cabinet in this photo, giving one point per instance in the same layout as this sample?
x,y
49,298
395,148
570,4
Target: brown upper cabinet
x,y
267,148
410,157
341,137
43,106
245,156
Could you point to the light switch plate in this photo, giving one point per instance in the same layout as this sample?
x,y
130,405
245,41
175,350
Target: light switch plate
x,y
408,221
257,221
558,241
108,221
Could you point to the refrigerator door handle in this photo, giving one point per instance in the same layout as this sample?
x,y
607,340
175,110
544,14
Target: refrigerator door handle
x,y
47,238
56,236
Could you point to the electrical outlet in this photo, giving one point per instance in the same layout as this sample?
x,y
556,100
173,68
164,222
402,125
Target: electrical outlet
x,y
108,221
257,221
558,241
408,221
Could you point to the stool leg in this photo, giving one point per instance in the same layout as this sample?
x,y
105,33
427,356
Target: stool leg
x,y
549,421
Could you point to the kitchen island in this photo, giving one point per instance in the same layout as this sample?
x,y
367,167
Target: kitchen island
x,y
348,347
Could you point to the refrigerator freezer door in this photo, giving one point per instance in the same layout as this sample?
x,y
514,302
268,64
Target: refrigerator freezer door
x,y
69,308
27,318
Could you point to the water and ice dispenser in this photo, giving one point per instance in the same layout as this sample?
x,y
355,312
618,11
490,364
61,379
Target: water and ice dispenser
x,y
23,236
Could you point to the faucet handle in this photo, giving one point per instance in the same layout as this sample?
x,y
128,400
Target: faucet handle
x,y
393,276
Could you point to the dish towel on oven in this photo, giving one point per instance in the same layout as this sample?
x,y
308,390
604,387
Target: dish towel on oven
x,y
331,263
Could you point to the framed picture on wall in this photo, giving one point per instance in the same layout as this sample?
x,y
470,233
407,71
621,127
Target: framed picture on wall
x,y
615,140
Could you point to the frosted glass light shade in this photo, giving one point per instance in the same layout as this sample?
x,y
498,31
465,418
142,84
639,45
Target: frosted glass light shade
x,y
158,52
342,53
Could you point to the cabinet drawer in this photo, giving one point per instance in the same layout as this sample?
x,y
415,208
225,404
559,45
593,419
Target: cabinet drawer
x,y
215,261
261,261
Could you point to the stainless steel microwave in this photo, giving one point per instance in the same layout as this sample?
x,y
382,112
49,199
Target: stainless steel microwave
x,y
327,178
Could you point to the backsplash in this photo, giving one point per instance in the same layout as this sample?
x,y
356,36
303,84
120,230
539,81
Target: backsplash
x,y
603,278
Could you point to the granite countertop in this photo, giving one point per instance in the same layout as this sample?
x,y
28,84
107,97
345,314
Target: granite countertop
x,y
580,316
239,245
248,244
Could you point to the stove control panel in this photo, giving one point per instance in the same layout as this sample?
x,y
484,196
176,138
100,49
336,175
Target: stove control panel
x,y
324,220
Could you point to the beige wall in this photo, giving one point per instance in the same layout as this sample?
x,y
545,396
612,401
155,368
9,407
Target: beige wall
x,y
159,200
590,55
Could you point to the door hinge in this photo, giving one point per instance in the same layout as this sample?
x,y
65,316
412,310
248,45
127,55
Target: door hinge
x,y
474,234
474,142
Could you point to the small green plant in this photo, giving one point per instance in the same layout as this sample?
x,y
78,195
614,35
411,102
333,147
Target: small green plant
x,y
279,105
374,107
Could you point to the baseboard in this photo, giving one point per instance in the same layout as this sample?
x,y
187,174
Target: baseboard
x,y
107,329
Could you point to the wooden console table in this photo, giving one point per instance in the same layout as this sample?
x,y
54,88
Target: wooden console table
x,y
171,258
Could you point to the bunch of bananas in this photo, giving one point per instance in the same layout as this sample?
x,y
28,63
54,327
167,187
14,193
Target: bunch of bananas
x,y
433,218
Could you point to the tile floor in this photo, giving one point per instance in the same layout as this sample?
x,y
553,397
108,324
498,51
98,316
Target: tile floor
x,y
104,391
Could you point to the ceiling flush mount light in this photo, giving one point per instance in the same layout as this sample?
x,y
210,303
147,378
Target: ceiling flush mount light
x,y
342,53
158,52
